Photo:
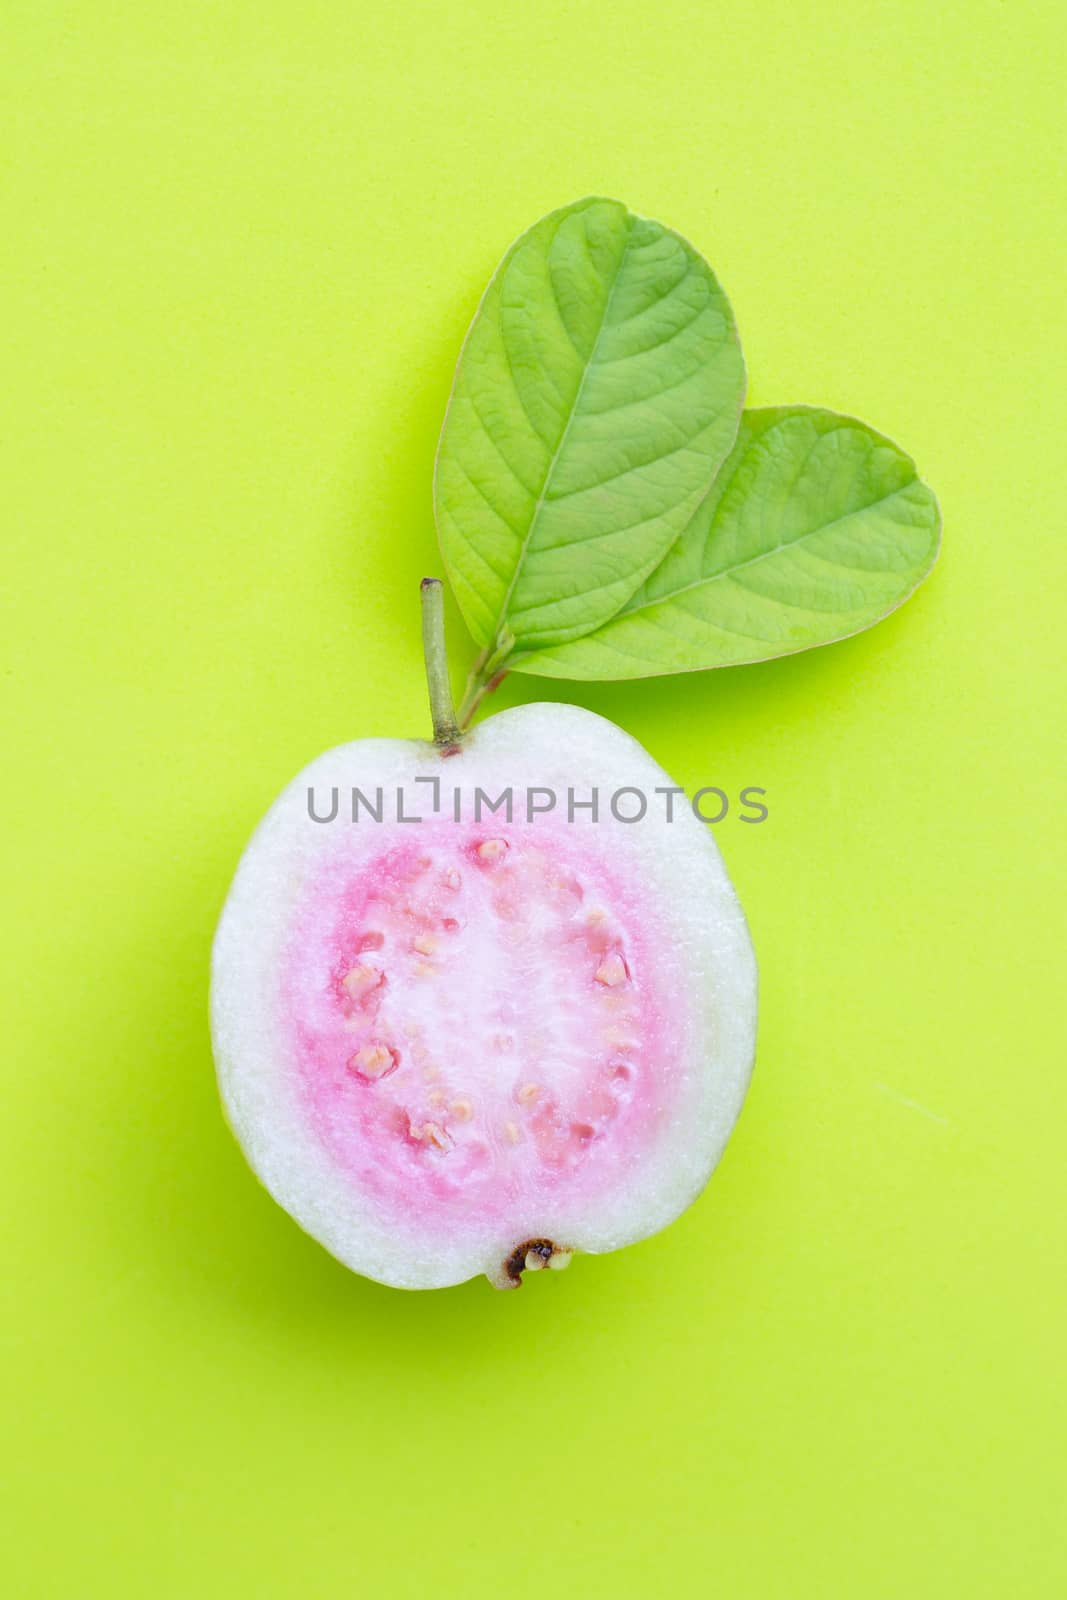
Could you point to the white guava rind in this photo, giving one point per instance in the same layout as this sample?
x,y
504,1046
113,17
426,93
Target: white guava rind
x,y
558,747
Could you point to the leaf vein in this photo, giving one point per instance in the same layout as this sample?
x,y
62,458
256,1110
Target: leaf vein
x,y
810,533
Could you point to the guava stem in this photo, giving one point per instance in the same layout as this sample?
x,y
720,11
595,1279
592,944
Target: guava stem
x,y
446,730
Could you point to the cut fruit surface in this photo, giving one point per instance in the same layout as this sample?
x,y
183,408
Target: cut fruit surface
x,y
479,1020
475,1045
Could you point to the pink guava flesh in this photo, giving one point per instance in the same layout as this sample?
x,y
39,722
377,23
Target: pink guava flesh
x,y
479,1023
474,1045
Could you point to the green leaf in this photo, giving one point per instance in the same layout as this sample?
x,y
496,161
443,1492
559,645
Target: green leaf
x,y
815,528
598,392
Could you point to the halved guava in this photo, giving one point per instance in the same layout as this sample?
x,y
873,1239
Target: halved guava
x,y
473,1043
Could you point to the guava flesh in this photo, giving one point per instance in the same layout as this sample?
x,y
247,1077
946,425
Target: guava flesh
x,y
479,1045
479,1023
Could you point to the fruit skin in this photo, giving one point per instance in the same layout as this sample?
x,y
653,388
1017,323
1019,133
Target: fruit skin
x,y
695,918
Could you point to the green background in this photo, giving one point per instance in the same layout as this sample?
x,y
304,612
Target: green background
x,y
243,243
